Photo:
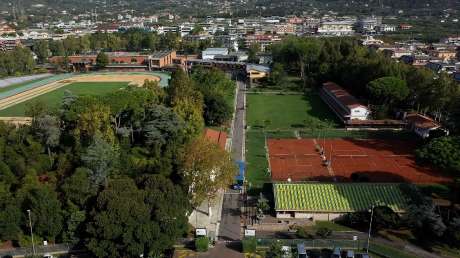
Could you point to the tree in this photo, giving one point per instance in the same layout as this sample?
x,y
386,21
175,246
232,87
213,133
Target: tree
x,y
78,188
217,110
45,210
48,129
57,48
162,126
206,168
252,53
277,74
215,86
426,222
169,205
102,60
10,215
187,103
120,224
101,158
275,250
197,30
131,220
443,153
41,49
388,90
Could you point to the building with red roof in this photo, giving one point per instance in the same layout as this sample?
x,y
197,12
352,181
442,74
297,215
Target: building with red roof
x,y
344,105
422,125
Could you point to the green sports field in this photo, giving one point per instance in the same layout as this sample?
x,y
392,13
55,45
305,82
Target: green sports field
x,y
288,112
54,98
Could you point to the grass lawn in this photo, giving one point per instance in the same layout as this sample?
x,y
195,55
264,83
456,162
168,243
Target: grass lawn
x,y
53,99
281,112
256,160
388,251
331,225
17,85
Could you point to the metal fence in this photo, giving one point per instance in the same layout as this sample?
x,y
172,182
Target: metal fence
x,y
39,250
316,243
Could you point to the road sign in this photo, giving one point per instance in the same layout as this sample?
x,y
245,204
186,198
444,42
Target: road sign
x,y
249,232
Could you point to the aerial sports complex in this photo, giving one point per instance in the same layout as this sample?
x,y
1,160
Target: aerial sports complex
x,y
14,99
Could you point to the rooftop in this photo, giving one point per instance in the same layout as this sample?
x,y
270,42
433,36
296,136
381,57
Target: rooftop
x,y
160,54
217,137
421,121
342,95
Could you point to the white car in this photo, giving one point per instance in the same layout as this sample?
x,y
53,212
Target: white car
x,y
286,251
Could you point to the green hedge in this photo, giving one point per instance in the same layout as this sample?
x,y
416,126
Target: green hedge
x,y
249,245
202,244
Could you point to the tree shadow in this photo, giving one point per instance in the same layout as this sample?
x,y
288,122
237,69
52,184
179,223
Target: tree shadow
x,y
235,246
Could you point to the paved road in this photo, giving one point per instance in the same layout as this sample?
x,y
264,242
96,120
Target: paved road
x,y
238,124
230,227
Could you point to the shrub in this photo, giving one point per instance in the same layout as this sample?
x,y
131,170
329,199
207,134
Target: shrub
x,y
249,245
302,233
202,244
323,232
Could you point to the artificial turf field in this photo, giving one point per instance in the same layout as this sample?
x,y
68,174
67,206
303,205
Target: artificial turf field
x,y
53,99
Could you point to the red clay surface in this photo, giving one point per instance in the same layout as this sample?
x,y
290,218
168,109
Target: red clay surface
x,y
373,160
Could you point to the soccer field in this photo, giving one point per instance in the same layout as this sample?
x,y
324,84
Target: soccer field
x,y
53,99
287,112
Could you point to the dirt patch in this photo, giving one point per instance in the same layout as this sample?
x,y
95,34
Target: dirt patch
x,y
133,79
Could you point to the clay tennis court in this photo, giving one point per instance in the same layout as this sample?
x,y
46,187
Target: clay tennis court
x,y
372,160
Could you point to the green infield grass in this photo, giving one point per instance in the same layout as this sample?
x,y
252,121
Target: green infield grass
x,y
53,99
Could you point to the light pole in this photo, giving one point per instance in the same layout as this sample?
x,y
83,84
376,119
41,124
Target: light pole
x,y
31,232
370,228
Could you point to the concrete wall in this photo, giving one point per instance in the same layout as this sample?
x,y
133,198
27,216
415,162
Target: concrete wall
x,y
313,216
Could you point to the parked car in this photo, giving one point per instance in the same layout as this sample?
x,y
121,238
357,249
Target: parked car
x,y
336,253
286,251
350,254
301,251
363,256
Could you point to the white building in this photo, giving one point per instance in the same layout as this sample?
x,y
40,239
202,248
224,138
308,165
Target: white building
x,y
210,53
336,28
344,105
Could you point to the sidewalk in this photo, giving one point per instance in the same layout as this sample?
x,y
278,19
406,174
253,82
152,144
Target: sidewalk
x,y
200,218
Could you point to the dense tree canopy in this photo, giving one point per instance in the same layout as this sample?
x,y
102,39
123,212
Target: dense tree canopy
x,y
354,67
104,172
215,86
443,153
16,62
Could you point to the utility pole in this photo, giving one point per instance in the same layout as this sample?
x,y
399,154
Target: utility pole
x,y
31,232
370,228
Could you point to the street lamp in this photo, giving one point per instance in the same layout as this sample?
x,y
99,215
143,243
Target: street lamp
x,y
370,228
31,232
